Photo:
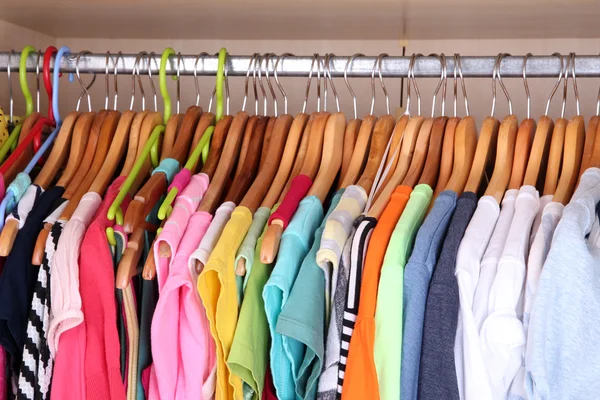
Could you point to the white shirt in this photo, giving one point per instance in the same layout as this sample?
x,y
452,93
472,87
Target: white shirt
x,y
502,335
563,356
492,254
472,377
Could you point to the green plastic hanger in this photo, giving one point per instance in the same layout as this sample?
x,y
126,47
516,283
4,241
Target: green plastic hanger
x,y
16,132
150,149
204,143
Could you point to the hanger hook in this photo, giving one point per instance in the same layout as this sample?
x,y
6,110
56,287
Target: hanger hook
x,y
408,74
279,85
178,83
310,75
250,67
325,85
10,92
152,57
260,83
116,87
414,82
526,84
348,82
383,88
462,84
455,84
83,86
37,80
333,89
318,82
196,84
444,88
269,58
439,85
499,76
565,86
136,70
575,90
494,71
557,84
106,80
598,103
212,96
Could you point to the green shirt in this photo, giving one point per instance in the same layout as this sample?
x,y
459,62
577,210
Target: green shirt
x,y
248,356
388,315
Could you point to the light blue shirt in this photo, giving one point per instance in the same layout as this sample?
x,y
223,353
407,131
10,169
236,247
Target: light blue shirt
x,y
417,275
302,321
294,246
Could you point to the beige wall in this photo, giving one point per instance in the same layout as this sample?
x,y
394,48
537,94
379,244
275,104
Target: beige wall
x,y
479,90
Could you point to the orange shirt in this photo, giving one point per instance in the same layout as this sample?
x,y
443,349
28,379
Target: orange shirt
x,y
360,378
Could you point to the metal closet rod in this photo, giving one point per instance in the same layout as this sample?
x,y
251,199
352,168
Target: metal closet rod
x,y
392,66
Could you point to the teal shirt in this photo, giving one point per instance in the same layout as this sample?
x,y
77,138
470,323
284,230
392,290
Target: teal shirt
x,y
302,321
388,314
295,243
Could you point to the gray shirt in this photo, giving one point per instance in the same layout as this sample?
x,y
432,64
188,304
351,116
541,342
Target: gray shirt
x,y
563,356
437,371
417,275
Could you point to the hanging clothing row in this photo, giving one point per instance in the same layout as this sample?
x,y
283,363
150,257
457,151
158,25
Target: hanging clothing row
x,y
204,255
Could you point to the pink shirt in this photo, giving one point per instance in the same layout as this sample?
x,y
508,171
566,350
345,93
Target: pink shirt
x,y
64,277
97,281
181,343
185,206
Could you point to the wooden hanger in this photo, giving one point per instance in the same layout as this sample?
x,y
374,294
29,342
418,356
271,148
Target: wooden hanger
x,y
152,120
555,157
248,168
170,135
216,144
391,163
231,150
118,147
521,153
431,168
56,159
411,133
292,144
572,155
310,167
134,138
128,266
507,136
331,160
420,154
484,153
20,163
266,141
300,156
109,127
447,160
147,197
465,145
384,128
362,146
255,195
75,163
590,139
539,151
350,136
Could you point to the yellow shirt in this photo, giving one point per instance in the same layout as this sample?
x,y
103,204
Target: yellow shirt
x,y
218,290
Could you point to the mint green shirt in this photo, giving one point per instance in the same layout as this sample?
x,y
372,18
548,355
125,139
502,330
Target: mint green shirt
x,y
388,314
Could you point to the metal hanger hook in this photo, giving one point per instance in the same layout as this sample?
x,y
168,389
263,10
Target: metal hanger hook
x,y
411,64
414,82
565,86
37,80
269,59
383,87
152,57
499,77
116,87
136,73
106,88
575,90
196,84
526,84
310,75
260,83
178,83
250,67
439,85
83,86
557,84
254,87
348,63
328,78
462,83
10,92
279,85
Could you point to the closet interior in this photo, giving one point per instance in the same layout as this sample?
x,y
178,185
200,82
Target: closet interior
x,y
278,204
